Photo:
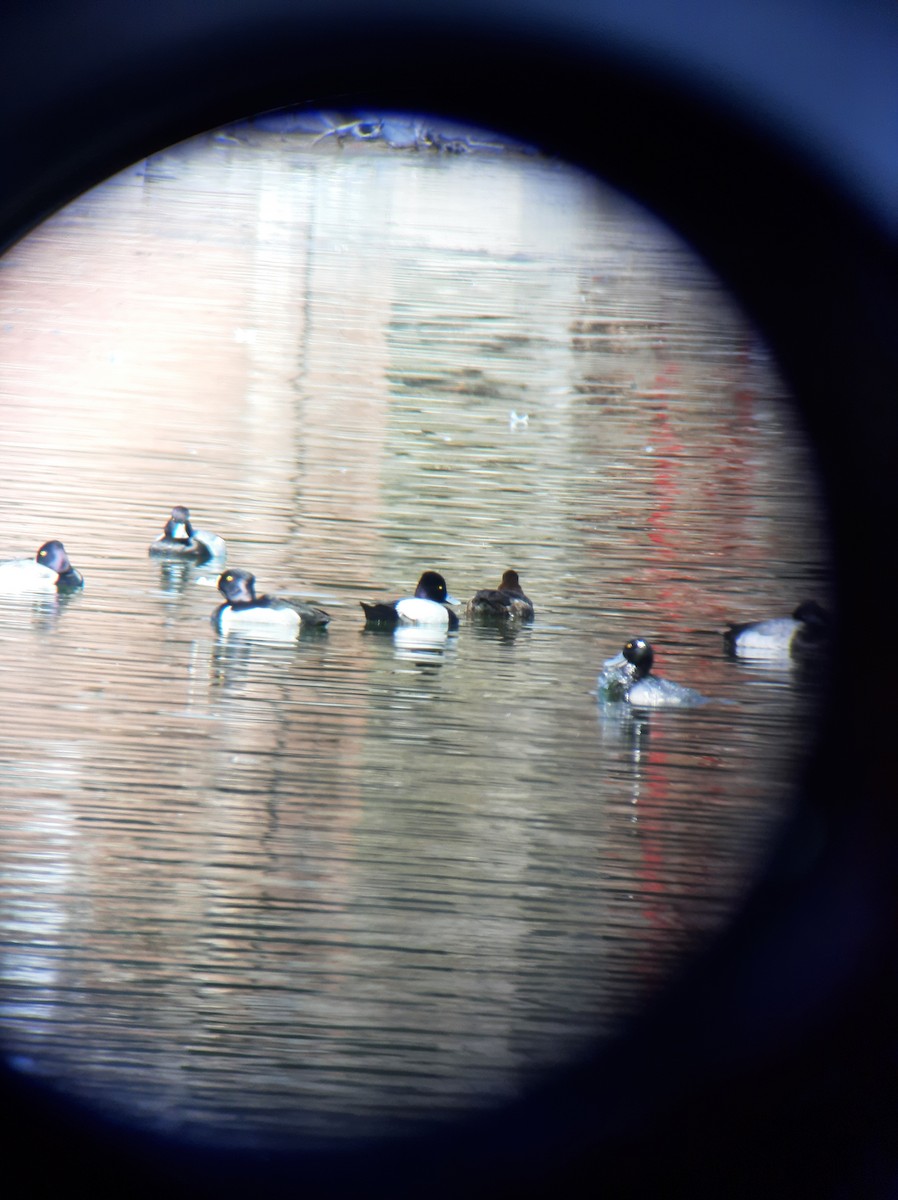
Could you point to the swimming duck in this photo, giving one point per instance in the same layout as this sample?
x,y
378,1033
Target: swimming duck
x,y
780,637
507,602
627,678
261,616
49,571
428,606
179,539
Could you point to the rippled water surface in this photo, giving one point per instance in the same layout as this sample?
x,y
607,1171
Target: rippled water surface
x,y
345,884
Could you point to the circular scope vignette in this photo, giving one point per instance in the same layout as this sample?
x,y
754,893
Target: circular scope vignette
x,y
601,384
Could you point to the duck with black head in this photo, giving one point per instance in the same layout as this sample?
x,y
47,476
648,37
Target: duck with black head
x,y
49,571
181,540
245,613
506,602
627,678
804,634
428,606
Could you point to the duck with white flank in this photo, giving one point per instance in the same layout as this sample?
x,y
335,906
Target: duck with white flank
x,y
49,571
777,638
250,615
428,606
627,678
181,540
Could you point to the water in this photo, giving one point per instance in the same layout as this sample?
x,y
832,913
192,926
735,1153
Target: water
x,y
264,891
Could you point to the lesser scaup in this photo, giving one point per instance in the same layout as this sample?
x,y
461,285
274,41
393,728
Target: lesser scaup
x,y
261,616
180,539
428,606
807,630
627,678
49,571
507,602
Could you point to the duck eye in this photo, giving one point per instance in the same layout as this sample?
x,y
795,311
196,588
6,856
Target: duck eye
x,y
42,553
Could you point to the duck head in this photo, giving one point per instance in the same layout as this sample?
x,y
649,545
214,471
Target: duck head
x,y
639,654
178,526
432,586
53,555
237,587
809,612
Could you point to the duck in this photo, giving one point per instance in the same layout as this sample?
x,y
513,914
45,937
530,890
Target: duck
x,y
179,539
507,602
261,616
428,606
49,571
807,630
628,678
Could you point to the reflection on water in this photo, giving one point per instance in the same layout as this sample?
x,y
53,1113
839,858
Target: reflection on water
x,y
366,879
